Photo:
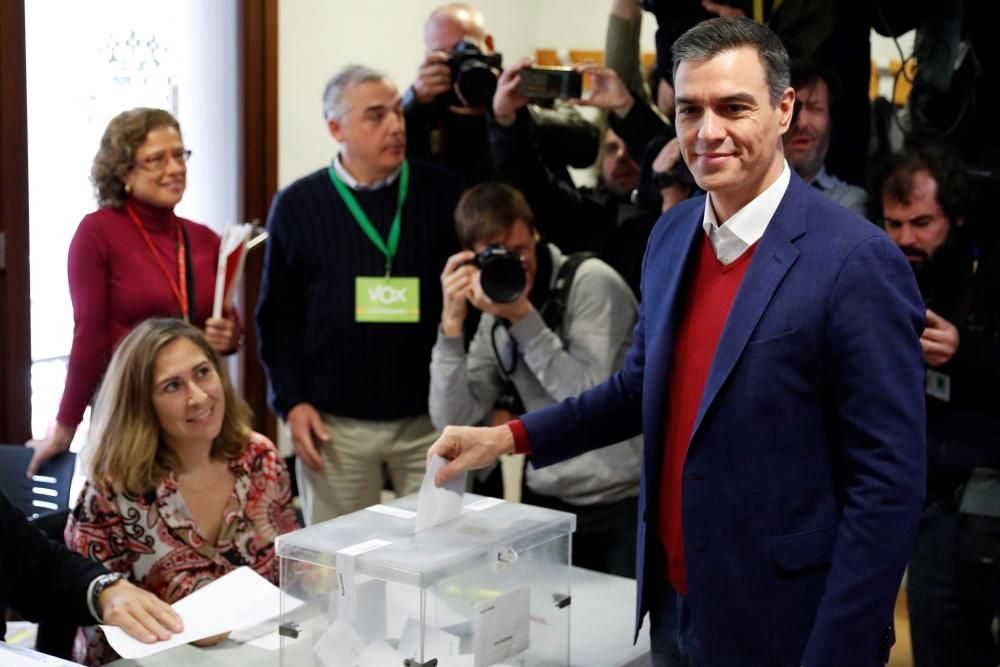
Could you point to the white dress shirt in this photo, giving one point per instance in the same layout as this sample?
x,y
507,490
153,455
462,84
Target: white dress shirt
x,y
352,183
747,225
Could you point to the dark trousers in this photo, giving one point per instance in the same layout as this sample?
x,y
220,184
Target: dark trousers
x,y
952,604
605,533
673,641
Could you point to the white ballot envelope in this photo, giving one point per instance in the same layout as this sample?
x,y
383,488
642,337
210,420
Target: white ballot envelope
x,y
438,504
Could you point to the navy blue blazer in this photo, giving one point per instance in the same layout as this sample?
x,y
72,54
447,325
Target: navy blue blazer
x,y
804,477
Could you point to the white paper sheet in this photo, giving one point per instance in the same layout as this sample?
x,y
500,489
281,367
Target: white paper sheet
x,y
236,600
501,626
438,504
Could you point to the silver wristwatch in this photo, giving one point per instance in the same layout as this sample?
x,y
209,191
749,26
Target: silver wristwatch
x,y
97,587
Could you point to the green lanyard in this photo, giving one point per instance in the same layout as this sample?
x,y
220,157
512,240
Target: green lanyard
x,y
389,250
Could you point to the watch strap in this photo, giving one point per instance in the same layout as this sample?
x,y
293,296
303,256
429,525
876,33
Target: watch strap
x,y
97,587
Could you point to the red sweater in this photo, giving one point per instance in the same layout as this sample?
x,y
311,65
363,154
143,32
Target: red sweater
x,y
709,298
115,284
710,295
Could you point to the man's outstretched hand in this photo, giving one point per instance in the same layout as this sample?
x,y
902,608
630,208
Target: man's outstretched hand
x,y
470,448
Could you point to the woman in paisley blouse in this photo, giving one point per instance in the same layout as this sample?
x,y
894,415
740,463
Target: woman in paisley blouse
x,y
180,491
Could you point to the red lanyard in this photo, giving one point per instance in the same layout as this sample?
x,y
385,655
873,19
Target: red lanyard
x,y
180,292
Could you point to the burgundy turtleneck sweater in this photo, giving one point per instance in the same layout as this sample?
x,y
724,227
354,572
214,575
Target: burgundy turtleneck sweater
x,y
115,284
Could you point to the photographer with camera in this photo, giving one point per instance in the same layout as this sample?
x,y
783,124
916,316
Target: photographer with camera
x,y
603,219
953,580
445,106
552,326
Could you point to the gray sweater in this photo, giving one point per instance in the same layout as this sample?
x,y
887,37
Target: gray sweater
x,y
596,331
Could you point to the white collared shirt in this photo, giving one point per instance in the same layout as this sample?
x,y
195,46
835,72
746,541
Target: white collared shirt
x,y
747,225
352,183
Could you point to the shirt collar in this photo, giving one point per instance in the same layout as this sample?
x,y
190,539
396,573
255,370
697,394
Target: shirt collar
x,y
747,225
352,183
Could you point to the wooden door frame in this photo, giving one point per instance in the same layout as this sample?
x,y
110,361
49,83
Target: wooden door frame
x,y
259,160
15,305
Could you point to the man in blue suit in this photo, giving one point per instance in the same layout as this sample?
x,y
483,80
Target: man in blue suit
x,y
776,374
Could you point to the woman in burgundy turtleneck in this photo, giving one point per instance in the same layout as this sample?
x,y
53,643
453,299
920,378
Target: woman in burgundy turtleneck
x,y
133,259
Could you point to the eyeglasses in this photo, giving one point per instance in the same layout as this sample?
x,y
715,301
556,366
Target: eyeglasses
x,y
159,161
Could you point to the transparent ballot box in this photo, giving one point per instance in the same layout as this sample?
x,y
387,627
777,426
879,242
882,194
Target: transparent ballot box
x,y
491,587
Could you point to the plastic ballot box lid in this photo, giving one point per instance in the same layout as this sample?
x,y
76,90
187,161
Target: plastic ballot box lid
x,y
381,541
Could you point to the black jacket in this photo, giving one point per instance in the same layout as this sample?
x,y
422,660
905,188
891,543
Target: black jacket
x,y
962,284
38,577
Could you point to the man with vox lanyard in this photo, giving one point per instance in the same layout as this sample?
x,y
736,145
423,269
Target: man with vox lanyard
x,y
349,303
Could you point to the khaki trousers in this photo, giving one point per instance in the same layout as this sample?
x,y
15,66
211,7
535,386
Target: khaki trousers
x,y
351,478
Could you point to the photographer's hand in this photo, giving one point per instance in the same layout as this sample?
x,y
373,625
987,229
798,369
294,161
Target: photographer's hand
x,y
456,288
508,98
433,77
665,161
607,90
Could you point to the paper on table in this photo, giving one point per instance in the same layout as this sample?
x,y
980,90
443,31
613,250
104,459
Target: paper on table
x,y
238,599
437,504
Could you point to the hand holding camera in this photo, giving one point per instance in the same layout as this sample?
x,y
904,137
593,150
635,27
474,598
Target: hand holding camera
x,y
494,281
433,77
508,98
456,289
467,73
607,90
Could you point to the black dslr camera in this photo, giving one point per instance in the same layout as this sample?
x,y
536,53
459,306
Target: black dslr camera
x,y
474,73
501,274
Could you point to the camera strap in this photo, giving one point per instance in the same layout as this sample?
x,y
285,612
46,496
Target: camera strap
x,y
391,245
552,312
554,308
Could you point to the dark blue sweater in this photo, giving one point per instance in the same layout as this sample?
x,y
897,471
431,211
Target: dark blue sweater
x,y
311,346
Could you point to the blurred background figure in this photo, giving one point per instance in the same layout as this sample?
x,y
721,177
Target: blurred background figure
x,y
446,105
953,583
808,139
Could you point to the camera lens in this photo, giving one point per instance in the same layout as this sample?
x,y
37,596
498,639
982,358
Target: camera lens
x,y
502,276
475,73
477,83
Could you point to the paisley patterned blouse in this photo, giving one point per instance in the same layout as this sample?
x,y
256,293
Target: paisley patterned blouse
x,y
154,540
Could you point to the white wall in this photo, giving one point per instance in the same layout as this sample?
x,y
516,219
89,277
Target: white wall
x,y
317,37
